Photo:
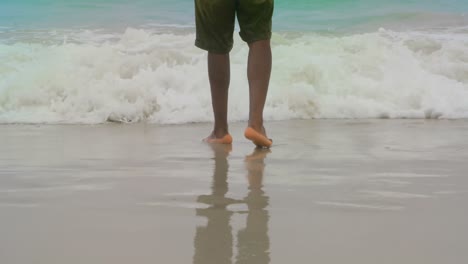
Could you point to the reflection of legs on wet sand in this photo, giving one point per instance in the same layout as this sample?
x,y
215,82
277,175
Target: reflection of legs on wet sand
x,y
213,242
253,241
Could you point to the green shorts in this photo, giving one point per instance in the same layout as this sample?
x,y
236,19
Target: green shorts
x,y
215,20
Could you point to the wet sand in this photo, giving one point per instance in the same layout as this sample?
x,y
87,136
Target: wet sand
x,y
385,191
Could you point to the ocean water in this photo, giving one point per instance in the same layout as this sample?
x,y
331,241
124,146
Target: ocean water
x,y
94,61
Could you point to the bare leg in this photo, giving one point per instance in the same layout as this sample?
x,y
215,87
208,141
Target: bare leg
x,y
258,72
219,75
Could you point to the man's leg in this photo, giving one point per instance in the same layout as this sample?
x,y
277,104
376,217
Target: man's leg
x,y
255,20
219,75
215,20
258,72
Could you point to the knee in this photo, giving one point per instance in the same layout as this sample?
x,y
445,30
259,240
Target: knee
x,y
260,44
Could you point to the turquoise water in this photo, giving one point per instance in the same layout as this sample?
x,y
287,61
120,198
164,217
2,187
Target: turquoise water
x,y
93,61
290,14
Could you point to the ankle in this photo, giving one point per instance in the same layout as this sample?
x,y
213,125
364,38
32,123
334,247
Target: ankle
x,y
257,125
220,132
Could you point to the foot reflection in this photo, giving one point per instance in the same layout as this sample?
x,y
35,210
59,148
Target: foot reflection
x,y
214,241
253,243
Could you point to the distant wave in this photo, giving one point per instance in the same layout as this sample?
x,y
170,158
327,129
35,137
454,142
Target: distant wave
x,y
92,77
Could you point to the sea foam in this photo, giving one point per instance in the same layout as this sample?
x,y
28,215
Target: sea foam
x,y
139,75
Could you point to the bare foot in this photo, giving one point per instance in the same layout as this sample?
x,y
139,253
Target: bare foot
x,y
258,137
213,139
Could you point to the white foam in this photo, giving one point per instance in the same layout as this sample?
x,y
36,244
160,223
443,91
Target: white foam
x,y
407,175
58,189
359,206
397,195
174,204
161,78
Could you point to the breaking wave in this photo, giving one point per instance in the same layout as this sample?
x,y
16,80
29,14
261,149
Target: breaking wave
x,y
91,77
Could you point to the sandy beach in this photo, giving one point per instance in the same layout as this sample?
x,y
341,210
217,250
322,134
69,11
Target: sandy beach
x,y
329,191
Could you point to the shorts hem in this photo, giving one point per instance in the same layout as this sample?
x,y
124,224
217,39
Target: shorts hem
x,y
204,46
257,38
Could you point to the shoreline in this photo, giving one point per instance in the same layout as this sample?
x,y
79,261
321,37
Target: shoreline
x,y
117,193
